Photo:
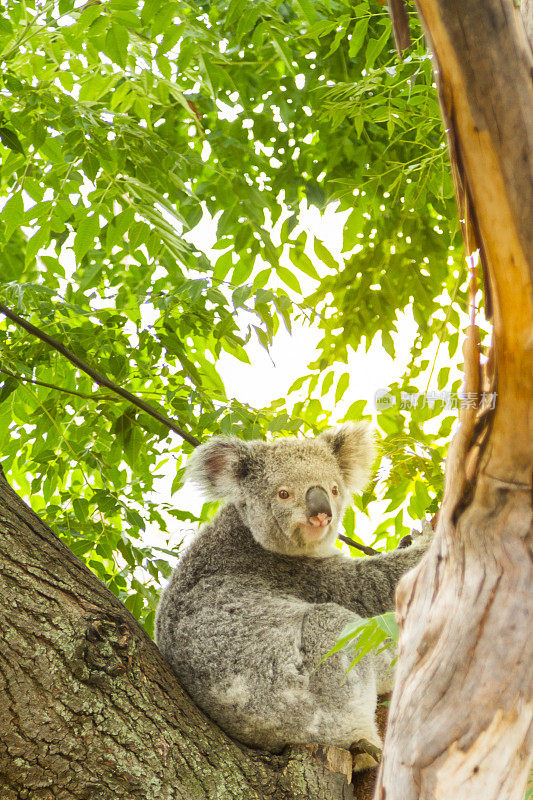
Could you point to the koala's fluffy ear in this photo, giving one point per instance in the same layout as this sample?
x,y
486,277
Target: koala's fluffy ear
x,y
219,465
354,448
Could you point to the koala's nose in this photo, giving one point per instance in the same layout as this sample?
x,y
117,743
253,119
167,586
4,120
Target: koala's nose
x,y
317,506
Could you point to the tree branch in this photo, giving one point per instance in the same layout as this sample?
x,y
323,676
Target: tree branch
x,y
369,551
34,382
400,25
97,377
100,712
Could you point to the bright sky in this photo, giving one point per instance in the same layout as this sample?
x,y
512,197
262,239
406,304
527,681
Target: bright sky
x,y
270,376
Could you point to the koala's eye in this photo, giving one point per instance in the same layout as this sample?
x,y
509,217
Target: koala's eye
x,y
283,494
334,490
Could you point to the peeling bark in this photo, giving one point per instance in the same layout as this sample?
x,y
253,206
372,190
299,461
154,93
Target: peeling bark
x,y
461,717
90,710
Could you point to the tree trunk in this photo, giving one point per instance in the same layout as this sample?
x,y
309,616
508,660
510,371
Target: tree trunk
x,y
90,710
461,716
526,9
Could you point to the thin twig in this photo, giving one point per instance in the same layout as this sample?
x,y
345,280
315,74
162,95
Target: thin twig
x,y
369,551
34,382
97,377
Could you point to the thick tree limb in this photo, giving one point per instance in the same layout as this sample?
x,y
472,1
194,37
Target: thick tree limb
x,y
90,709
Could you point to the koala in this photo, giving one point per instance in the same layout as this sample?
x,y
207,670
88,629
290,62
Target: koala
x,y
262,594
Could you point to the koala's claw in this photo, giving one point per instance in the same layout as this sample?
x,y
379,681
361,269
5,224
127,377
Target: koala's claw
x,y
365,755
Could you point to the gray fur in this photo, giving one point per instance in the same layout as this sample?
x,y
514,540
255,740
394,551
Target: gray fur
x,y
262,594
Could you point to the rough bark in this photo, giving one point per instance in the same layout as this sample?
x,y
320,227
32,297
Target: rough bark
x,y
461,716
90,710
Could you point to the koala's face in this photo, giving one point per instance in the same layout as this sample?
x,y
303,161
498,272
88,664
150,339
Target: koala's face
x,y
291,493
296,499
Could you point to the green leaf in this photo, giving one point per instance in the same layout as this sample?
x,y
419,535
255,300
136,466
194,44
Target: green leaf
x,y
327,383
116,44
443,377
235,10
365,636
304,263
38,241
135,519
9,386
88,230
387,623
388,343
247,20
358,36
352,229
420,501
12,215
138,234
241,271
321,28
88,16
356,410
10,139
91,165
81,508
38,134
283,51
241,295
339,36
307,9
324,255
170,39
288,278
375,46
81,547
209,75
342,385
134,603
6,28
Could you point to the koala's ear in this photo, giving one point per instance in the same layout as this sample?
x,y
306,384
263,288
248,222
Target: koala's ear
x,y
354,448
219,465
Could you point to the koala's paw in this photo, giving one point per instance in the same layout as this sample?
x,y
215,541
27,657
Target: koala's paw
x,y
425,535
365,755
405,541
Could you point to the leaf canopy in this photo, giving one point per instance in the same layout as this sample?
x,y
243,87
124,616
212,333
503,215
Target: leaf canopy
x,y
158,160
